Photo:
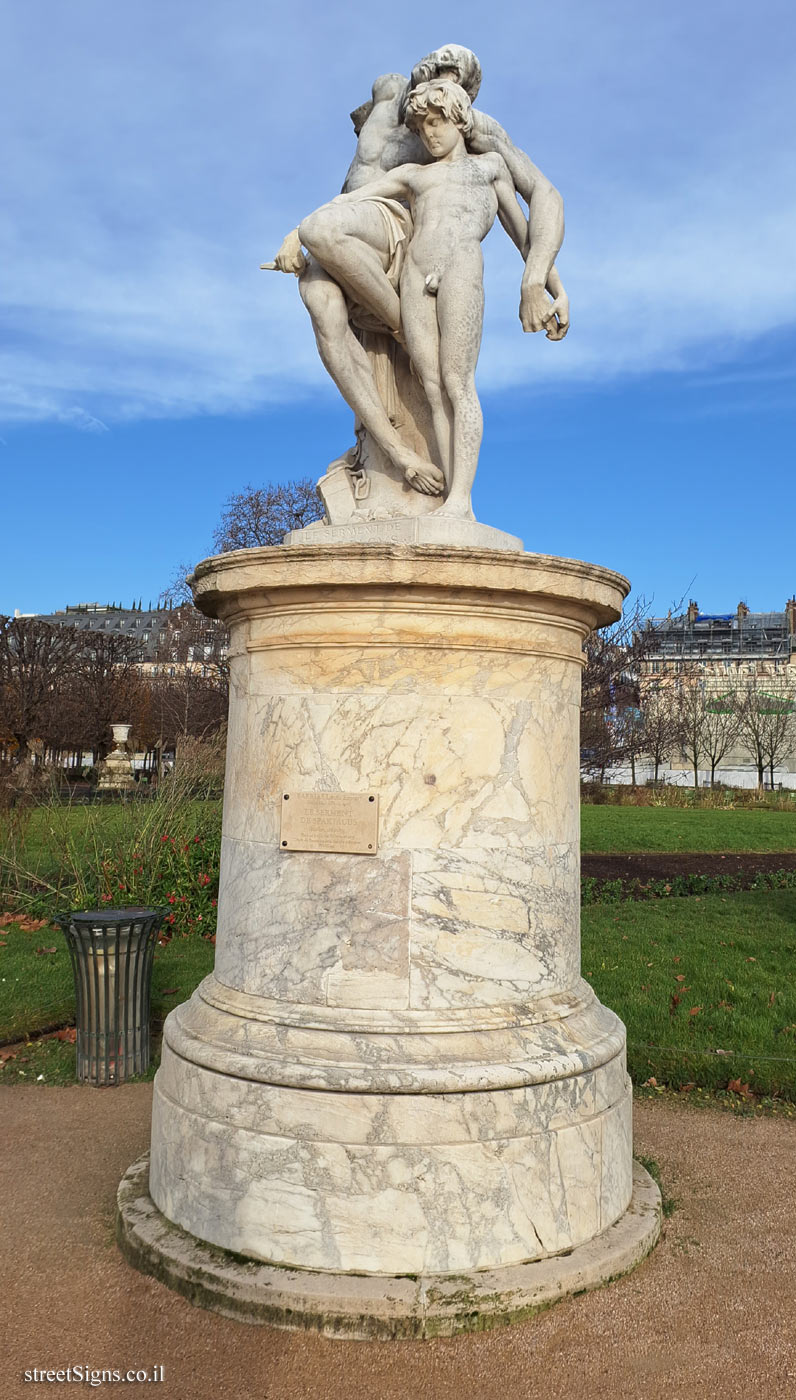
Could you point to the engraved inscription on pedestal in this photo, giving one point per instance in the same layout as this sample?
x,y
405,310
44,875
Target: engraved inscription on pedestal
x,y
346,822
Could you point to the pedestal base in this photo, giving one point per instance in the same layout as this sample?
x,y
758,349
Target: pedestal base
x,y
335,1143
116,776
414,529
361,1307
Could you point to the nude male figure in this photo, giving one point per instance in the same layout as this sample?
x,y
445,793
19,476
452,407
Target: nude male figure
x,y
356,251
453,203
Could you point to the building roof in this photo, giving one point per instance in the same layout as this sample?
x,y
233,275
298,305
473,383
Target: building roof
x,y
150,627
739,633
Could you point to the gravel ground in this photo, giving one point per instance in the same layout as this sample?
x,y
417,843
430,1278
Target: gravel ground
x,y
711,1313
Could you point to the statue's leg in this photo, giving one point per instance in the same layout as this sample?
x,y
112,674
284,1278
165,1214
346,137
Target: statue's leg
x,y
350,242
460,313
350,368
421,329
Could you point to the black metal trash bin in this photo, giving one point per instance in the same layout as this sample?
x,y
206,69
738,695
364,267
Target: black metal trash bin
x,y
112,952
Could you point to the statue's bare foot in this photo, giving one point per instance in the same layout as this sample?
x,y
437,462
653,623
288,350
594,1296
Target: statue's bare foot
x,y
422,475
456,510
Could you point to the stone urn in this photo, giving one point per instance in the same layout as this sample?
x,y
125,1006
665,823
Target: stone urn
x,y
116,771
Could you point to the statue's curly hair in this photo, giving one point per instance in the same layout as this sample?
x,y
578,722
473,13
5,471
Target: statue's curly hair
x,y
442,96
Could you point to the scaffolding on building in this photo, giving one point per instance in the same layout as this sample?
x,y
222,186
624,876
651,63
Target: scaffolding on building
x,y
694,636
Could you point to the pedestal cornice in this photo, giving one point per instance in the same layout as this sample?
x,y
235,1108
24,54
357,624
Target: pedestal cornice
x,y
248,581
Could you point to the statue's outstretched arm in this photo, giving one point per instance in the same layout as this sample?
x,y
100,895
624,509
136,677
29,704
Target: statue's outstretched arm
x,y
391,184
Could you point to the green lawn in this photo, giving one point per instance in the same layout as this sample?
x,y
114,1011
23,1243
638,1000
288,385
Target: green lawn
x,y
603,828
685,829
37,991
730,960
731,963
43,825
44,838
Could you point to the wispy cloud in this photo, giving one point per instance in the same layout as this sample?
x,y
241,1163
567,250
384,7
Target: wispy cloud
x,y
162,153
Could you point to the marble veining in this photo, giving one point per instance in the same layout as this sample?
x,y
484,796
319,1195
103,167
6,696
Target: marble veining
x,y
396,1066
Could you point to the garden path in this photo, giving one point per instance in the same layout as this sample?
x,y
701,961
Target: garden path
x,y
710,1315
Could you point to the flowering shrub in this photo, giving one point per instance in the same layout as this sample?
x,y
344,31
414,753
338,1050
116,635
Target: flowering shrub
x,y
174,873
162,853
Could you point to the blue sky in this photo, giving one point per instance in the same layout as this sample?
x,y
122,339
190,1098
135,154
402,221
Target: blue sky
x,y
155,154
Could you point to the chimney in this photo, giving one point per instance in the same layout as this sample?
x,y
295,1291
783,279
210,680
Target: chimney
x,y
742,611
790,616
693,611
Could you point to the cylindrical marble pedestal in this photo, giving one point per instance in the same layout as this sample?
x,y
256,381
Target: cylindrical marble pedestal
x,y
396,1067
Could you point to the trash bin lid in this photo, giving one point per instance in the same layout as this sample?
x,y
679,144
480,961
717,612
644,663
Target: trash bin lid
x,y
112,916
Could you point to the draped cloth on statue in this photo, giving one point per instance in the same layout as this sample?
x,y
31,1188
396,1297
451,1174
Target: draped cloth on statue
x,y
364,484
398,228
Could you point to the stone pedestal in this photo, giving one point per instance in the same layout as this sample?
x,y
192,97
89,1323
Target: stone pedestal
x,y
396,1068
116,771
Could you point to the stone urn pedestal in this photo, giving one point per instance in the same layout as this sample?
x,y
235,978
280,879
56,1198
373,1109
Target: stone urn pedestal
x,y
395,1086
116,771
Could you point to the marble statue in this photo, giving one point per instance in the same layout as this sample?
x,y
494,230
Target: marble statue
x,y
388,337
396,1108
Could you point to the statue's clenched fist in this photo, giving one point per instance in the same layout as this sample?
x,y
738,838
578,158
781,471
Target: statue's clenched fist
x,y
290,257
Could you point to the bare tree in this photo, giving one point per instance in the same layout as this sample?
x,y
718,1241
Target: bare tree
x,y
104,688
598,751
767,726
629,737
263,515
780,728
719,729
189,696
660,723
36,663
613,658
190,638
257,515
780,738
65,686
185,704
691,719
177,592
708,722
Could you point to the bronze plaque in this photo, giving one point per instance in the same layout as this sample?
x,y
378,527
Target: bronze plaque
x,y
329,821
